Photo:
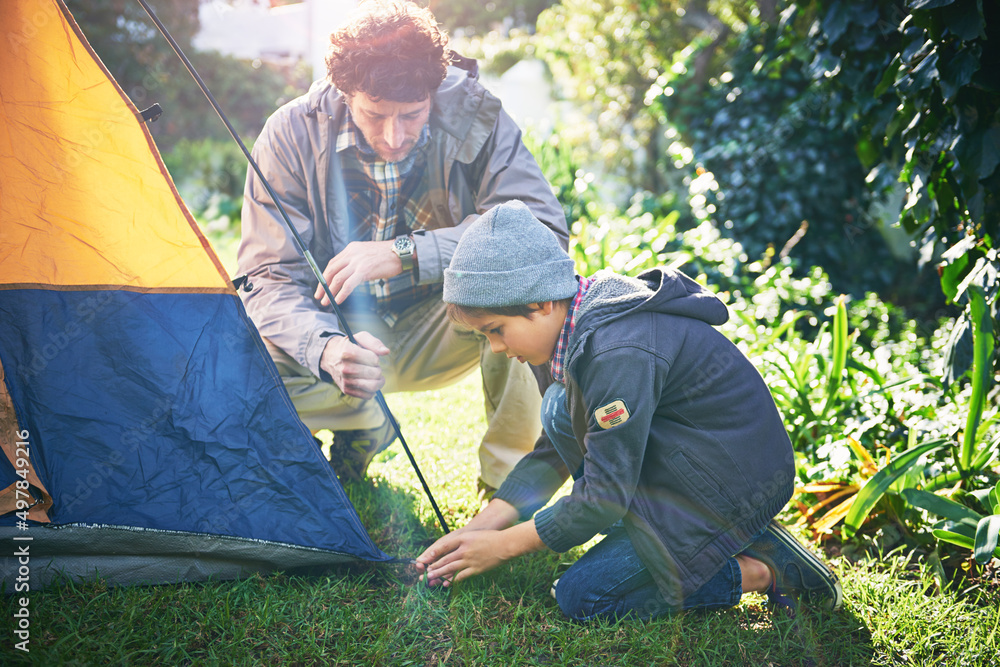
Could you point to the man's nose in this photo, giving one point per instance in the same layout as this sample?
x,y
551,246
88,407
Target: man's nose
x,y
497,346
393,134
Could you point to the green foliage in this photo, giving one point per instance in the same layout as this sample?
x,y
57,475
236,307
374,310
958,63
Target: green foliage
x,y
482,17
930,118
607,54
148,71
882,480
962,525
206,170
784,160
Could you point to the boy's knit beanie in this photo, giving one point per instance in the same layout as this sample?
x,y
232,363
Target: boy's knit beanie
x,y
508,258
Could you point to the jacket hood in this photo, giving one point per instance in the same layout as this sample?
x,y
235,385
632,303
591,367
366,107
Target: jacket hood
x,y
612,296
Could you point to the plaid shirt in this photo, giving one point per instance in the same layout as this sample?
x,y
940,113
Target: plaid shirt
x,y
387,199
559,358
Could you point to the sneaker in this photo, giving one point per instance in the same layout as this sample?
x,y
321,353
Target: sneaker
x,y
352,451
552,591
796,572
485,493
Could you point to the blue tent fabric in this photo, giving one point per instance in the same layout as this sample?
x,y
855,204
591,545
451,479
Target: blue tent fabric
x,y
164,412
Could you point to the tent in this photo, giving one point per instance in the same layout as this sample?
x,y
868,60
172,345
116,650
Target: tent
x,y
148,438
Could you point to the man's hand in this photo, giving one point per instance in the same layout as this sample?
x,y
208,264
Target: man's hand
x,y
354,368
360,261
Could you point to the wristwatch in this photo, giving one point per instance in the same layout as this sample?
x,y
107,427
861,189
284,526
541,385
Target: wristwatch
x,y
404,246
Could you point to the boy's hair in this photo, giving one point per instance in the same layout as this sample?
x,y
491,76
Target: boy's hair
x,y
392,50
460,314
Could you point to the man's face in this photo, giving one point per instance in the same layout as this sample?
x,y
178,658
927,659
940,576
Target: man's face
x,y
390,128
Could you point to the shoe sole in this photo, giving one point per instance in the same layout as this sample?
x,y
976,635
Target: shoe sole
x,y
817,566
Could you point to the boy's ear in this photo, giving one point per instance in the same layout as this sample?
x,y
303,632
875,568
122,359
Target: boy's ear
x,y
542,307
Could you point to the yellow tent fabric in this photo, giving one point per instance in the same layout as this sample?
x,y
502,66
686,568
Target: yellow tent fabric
x,y
85,200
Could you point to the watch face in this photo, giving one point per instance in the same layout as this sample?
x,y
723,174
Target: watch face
x,y
403,245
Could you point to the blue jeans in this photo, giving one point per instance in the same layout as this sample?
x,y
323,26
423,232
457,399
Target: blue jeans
x,y
610,580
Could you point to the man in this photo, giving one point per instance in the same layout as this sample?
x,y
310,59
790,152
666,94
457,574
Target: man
x,y
381,167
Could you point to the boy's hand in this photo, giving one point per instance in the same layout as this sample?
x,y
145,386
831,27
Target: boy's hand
x,y
461,554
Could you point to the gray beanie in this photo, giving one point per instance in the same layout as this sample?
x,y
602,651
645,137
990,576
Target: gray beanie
x,y
508,258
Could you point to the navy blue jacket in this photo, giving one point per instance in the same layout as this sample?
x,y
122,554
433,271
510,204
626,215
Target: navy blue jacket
x,y
679,436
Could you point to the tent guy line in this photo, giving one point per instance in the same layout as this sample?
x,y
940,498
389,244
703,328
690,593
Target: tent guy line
x,y
379,397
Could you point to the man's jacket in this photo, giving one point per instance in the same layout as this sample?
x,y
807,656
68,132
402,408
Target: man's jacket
x,y
679,436
475,160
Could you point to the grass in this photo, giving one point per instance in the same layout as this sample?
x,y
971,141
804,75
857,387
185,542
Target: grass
x,y
893,614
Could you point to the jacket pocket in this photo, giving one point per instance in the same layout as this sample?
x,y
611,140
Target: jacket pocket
x,y
701,482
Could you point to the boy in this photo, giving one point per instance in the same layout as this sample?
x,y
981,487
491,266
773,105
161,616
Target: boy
x,y
679,453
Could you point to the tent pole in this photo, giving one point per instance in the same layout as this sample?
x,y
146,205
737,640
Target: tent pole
x,y
379,398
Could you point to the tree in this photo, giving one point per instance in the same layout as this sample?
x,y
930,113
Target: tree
x,y
146,68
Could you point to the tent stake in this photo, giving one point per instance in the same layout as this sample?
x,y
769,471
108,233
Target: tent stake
x,y
379,398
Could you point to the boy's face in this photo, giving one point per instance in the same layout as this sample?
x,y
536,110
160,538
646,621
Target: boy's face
x,y
529,339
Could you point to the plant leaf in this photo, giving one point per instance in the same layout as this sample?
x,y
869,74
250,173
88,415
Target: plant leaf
x,y
986,538
876,487
830,519
954,538
940,505
982,370
839,354
928,4
966,21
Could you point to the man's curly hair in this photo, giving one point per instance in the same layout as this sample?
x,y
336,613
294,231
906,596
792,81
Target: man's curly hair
x,y
392,50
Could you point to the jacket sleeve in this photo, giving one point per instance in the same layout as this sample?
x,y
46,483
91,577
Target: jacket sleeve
x,y
281,303
625,382
535,479
506,171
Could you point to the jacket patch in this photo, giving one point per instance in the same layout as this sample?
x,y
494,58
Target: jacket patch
x,y
612,414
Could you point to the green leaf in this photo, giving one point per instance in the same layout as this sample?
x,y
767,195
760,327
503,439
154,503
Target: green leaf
x,y
921,76
952,275
888,77
839,355
995,498
958,71
876,487
927,4
965,20
837,19
986,456
986,538
982,370
978,154
943,507
955,538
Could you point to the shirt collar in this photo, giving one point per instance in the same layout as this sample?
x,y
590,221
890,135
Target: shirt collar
x,y
562,346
